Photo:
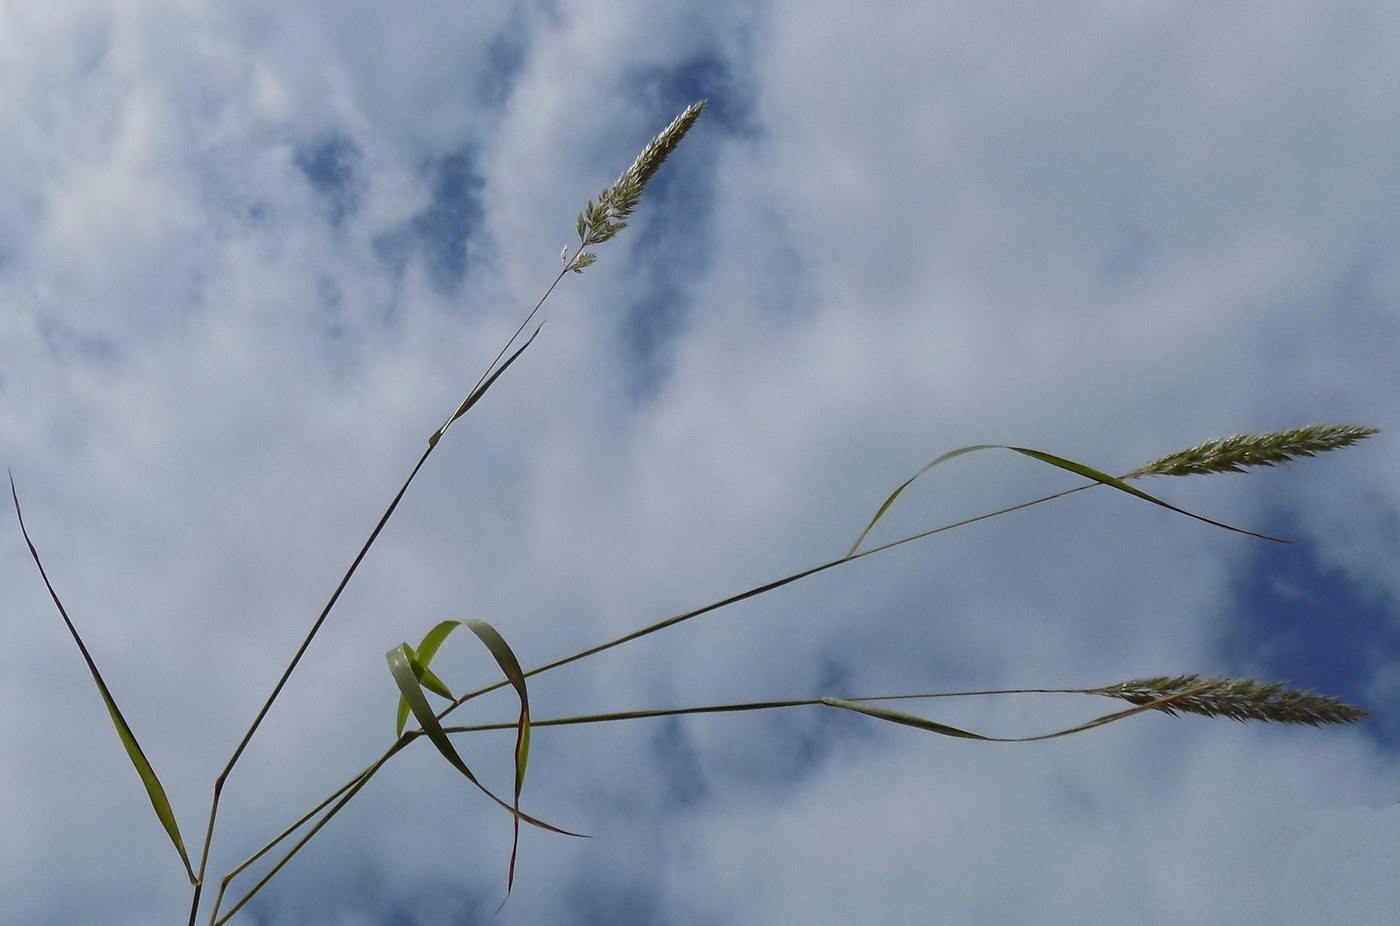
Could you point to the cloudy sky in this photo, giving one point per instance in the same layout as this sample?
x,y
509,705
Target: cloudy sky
x,y
252,255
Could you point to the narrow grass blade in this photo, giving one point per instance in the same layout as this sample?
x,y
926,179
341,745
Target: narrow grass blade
x,y
154,790
906,484
505,658
401,661
510,666
475,395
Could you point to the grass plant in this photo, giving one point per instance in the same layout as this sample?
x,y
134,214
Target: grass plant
x,y
410,666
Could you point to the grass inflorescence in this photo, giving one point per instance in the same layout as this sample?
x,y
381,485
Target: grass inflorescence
x,y
603,218
1238,452
1237,699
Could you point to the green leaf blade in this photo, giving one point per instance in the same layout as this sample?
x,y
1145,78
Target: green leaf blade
x,y
403,667
1070,466
160,803
510,666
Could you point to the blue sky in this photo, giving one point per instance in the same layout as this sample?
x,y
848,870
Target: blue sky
x,y
251,256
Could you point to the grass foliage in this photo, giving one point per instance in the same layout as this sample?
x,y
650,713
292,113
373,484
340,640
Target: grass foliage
x,y
601,220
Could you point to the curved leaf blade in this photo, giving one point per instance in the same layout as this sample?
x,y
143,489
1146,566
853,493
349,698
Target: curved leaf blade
x,y
432,640
932,726
505,658
1070,466
1088,472
510,666
402,667
906,484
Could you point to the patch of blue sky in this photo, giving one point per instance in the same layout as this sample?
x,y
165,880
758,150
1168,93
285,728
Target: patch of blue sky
x,y
710,75
650,328
74,347
683,776
506,54
441,234
333,166
331,301
1298,620
598,897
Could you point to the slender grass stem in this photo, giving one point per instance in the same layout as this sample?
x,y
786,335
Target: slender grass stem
x,y
493,371
599,223
287,674
1186,693
1240,699
762,589
744,707
347,792
360,778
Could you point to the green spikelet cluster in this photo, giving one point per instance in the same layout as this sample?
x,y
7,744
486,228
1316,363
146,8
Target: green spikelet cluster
x,y
1236,453
1238,699
605,217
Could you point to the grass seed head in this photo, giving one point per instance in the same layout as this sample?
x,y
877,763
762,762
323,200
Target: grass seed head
x,y
1236,453
1238,699
603,218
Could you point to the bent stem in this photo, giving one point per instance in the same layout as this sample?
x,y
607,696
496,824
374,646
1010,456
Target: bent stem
x,y
286,674
338,799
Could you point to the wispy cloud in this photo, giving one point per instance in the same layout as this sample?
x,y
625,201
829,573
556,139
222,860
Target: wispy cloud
x,y
249,259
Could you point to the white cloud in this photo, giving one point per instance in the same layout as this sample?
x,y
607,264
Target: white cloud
x,y
1107,232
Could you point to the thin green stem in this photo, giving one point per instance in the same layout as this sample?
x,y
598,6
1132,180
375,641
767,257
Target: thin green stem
x,y
356,783
746,706
493,370
358,779
347,792
760,590
287,674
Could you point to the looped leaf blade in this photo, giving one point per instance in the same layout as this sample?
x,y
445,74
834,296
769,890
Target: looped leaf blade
x,y
405,670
